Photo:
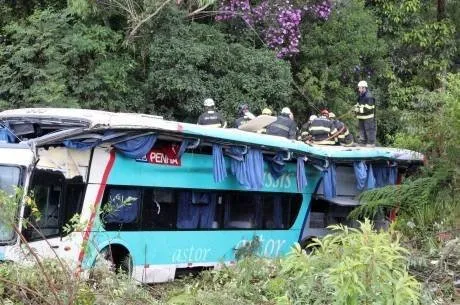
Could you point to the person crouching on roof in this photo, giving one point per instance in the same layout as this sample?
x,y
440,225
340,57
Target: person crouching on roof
x,y
321,129
265,111
284,126
343,135
244,115
210,117
305,135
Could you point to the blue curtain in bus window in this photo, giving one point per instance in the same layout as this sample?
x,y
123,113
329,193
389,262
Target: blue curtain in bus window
x,y
381,176
82,144
255,168
259,211
6,136
360,169
393,174
219,167
277,212
196,210
277,165
187,213
123,206
183,146
370,177
301,176
237,165
329,181
137,147
207,212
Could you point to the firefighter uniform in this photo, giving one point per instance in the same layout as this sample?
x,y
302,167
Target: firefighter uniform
x,y
211,118
344,137
283,127
321,129
365,113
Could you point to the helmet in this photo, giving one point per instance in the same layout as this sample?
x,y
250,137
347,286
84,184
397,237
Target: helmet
x,y
362,83
286,110
209,102
331,115
267,111
325,112
312,117
242,108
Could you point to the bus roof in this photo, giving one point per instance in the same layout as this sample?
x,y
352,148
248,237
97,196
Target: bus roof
x,y
88,121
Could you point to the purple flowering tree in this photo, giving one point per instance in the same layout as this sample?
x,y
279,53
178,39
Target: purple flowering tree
x,y
276,21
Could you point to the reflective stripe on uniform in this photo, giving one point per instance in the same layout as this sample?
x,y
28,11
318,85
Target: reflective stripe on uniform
x,y
327,129
365,117
283,127
213,125
324,142
368,106
343,135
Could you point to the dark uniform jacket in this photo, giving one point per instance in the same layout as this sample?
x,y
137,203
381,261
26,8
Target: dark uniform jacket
x,y
321,128
283,127
344,137
212,118
365,107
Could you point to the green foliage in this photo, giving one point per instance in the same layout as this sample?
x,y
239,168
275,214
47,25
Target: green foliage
x,y
338,53
427,204
21,284
55,60
250,248
353,266
191,61
349,267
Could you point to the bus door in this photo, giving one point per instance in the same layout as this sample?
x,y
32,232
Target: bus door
x,y
15,164
57,188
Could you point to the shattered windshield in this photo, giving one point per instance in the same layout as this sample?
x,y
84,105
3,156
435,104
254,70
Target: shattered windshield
x,y
9,179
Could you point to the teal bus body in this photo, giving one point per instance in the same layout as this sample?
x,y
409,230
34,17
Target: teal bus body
x,y
195,247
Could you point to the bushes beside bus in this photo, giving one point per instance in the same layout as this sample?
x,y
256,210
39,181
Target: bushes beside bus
x,y
352,266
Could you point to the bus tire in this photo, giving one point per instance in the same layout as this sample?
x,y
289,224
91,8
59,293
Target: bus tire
x,y
118,259
305,242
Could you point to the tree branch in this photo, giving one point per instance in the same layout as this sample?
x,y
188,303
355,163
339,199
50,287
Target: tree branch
x,y
136,28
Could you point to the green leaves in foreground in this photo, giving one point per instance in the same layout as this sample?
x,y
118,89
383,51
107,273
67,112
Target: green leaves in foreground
x,y
352,266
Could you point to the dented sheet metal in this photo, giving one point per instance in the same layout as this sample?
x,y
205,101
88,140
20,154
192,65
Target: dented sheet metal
x,y
72,163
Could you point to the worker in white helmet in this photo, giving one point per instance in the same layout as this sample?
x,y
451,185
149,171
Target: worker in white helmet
x,y
365,113
210,117
305,136
284,126
342,136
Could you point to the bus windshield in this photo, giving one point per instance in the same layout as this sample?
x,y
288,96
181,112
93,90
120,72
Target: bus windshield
x,y
9,179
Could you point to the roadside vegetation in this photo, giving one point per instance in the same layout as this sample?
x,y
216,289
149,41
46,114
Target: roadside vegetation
x,y
166,57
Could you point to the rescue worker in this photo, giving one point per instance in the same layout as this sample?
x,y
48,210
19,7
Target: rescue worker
x,y
265,111
343,135
321,129
305,136
244,115
284,126
365,113
210,117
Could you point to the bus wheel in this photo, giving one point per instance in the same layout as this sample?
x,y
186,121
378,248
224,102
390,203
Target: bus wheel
x,y
305,242
117,258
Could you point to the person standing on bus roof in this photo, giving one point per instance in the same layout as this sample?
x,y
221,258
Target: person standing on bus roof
x,y
365,113
210,117
244,115
284,126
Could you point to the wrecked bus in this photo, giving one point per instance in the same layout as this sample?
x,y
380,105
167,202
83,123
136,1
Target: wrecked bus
x,y
157,197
